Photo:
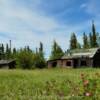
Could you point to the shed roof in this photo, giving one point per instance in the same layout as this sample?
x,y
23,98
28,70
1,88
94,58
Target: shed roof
x,y
5,61
78,53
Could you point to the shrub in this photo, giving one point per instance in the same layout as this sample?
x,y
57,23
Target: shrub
x,y
25,59
39,61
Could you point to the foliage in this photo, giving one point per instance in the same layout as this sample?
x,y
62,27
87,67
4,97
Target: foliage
x,y
39,60
90,40
73,41
56,52
8,52
79,46
85,41
1,51
94,36
25,59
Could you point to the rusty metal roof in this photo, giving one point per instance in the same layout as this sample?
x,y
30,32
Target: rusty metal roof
x,y
78,53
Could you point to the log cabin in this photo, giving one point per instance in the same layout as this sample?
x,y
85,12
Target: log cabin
x,y
77,59
7,64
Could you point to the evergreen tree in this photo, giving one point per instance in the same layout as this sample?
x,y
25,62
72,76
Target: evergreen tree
x,y
14,51
90,40
8,52
39,59
56,52
28,49
36,50
85,41
2,49
41,47
78,45
94,37
73,41
41,53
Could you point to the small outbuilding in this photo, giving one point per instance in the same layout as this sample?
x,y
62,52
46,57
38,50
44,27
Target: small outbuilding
x,y
7,64
77,59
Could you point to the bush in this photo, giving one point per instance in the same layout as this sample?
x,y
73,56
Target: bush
x,y
25,59
39,61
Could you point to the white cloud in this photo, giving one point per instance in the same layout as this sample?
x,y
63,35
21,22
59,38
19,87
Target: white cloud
x,y
25,26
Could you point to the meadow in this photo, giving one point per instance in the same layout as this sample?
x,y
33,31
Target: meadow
x,y
50,84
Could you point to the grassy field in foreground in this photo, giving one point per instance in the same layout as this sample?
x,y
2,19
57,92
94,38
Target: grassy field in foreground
x,y
47,84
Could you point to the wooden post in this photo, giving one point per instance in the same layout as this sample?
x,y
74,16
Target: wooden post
x,y
79,63
92,63
72,63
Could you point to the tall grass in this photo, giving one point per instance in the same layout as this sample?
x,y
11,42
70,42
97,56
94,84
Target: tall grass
x,y
46,84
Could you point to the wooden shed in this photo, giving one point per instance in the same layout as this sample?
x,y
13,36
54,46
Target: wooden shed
x,y
78,58
7,64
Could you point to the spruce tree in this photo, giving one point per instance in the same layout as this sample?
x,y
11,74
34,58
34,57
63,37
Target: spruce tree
x,y
90,40
56,51
2,49
85,41
36,51
78,46
41,47
28,49
41,52
39,59
94,36
14,51
73,42
8,52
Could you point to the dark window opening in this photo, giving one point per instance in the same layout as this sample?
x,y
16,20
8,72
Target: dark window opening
x,y
54,64
96,63
68,63
83,63
75,63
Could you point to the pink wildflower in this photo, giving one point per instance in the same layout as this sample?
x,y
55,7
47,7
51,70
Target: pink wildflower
x,y
86,82
88,94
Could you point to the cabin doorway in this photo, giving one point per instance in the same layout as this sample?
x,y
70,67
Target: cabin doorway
x,y
83,63
68,63
75,63
54,64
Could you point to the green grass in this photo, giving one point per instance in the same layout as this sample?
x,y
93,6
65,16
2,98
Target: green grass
x,y
31,85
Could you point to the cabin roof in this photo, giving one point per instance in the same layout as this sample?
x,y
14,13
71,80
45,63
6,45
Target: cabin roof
x,y
5,61
78,53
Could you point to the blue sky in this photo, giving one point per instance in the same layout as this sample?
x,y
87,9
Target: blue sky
x,y
27,22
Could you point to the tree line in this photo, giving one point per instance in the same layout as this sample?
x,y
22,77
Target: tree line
x,y
89,41
27,58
